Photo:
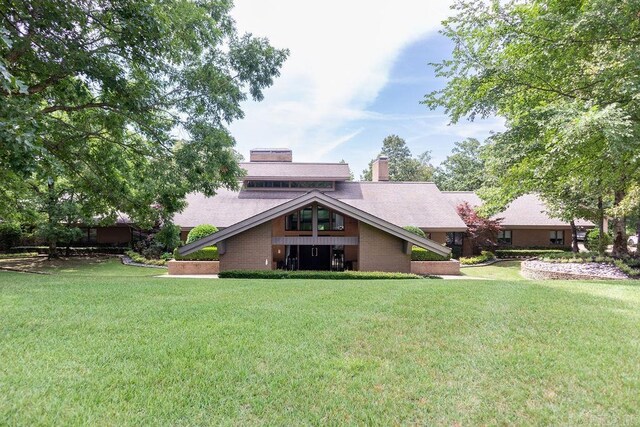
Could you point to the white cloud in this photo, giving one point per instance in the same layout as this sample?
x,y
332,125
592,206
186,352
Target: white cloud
x,y
341,56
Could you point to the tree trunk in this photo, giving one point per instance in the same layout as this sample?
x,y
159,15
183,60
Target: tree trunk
x,y
638,236
51,205
620,247
601,243
574,237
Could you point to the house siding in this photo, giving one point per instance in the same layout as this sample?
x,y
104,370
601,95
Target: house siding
x,y
248,250
380,251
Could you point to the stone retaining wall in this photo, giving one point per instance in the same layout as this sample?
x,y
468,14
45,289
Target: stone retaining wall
x,y
424,268
193,267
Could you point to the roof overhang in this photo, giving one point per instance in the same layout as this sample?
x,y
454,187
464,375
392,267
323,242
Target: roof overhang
x,y
304,200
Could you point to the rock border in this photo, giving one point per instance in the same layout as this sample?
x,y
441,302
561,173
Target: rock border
x,y
541,270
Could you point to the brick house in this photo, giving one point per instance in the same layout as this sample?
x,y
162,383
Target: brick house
x,y
525,223
296,215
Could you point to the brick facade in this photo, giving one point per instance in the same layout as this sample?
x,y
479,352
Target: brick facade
x,y
250,250
380,251
536,237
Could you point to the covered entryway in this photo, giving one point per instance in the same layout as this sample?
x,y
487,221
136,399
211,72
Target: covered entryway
x,y
316,257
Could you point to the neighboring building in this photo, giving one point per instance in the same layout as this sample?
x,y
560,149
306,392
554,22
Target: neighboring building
x,y
525,222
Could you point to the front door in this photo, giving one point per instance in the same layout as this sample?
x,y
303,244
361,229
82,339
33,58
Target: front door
x,y
315,257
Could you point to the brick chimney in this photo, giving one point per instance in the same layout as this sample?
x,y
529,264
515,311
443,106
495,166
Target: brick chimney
x,y
380,169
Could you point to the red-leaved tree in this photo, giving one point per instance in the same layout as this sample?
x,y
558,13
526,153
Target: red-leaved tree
x,y
482,232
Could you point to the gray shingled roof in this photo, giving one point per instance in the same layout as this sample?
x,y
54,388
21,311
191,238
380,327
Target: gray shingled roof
x,y
299,171
324,200
420,204
525,211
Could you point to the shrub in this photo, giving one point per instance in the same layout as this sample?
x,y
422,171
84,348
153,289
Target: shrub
x,y
328,275
626,268
526,253
204,254
551,256
421,254
168,237
415,230
200,231
485,256
153,251
10,234
136,257
592,240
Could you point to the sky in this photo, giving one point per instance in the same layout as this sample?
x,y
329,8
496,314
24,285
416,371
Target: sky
x,y
355,74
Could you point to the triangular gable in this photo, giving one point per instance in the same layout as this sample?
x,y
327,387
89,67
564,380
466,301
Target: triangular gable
x,y
324,200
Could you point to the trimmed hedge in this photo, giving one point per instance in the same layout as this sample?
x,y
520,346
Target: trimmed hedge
x,y
19,255
485,256
205,254
421,254
136,257
526,253
327,275
74,250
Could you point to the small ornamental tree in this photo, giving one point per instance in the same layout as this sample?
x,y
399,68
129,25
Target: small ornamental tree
x,y
482,231
200,231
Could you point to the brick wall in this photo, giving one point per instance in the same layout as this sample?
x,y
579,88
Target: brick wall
x,y
380,251
249,250
535,237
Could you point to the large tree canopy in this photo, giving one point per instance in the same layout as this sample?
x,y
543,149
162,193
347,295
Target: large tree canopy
x,y
463,170
402,165
94,93
566,77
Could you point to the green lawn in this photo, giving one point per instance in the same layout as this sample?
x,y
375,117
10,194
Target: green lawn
x,y
112,345
501,270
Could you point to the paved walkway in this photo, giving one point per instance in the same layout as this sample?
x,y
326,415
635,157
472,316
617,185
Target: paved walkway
x,y
189,276
215,276
461,277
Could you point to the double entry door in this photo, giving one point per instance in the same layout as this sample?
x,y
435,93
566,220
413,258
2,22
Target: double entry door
x,y
314,257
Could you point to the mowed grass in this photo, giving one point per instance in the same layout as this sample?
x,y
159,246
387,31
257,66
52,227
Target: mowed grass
x,y
501,270
123,349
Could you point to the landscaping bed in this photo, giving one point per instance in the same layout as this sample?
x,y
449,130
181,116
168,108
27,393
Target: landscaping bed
x,y
541,270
